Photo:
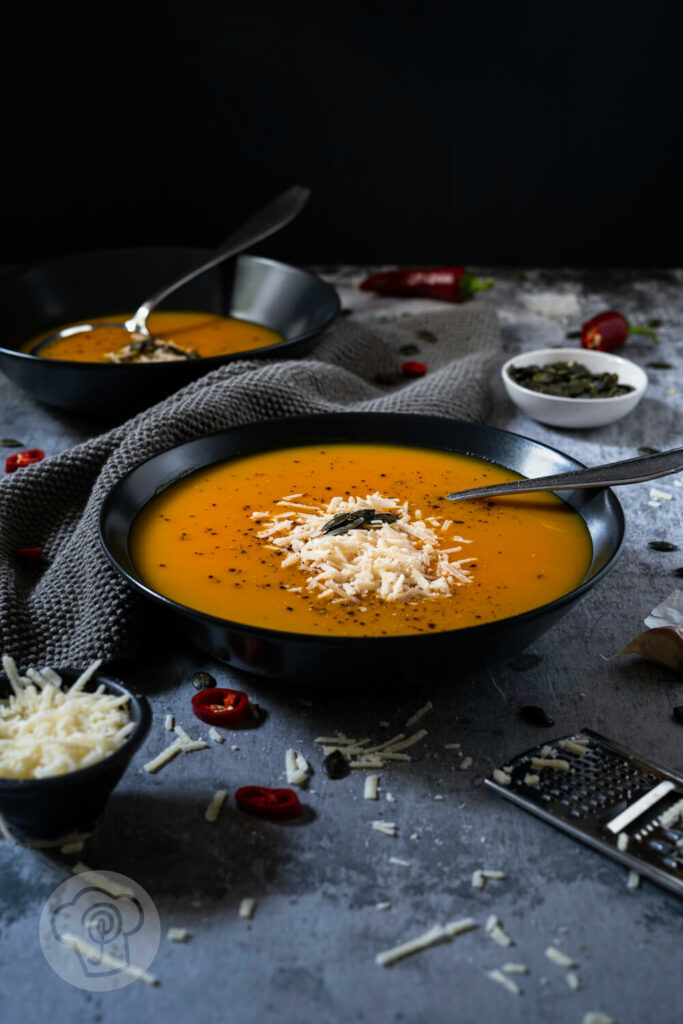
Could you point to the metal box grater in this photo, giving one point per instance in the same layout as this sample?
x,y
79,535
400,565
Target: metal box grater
x,y
607,792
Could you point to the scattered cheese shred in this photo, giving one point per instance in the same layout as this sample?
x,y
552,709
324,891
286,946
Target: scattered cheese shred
x,y
633,880
478,879
622,841
215,805
398,561
501,777
515,968
531,780
178,934
97,955
400,863
169,723
495,930
74,847
47,729
163,758
215,735
465,764
506,982
297,768
559,958
102,882
419,714
595,1017
574,746
557,763
435,935
386,905
247,907
358,754
387,828
573,981
371,787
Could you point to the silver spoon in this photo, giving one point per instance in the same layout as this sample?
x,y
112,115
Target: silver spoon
x,y
266,222
630,471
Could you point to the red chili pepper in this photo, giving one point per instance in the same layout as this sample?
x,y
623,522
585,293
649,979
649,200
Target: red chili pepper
x,y
217,706
609,330
14,462
29,556
414,369
275,804
452,284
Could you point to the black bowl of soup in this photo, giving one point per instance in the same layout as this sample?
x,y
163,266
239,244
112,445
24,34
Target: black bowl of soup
x,y
260,542
271,311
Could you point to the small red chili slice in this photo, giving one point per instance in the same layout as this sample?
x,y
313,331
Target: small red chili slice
x,y
14,462
414,369
29,556
275,804
217,706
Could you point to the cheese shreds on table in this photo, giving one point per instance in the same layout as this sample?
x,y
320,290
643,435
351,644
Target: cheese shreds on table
x,y
75,847
97,955
435,935
184,744
480,876
297,768
633,880
247,907
495,930
465,764
595,1017
47,729
419,714
215,735
573,981
358,754
169,723
399,561
559,958
214,808
387,828
101,881
400,863
506,982
371,786
177,934
515,968
385,905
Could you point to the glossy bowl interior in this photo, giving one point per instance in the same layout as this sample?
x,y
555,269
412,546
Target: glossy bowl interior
x,y
323,660
48,811
576,412
295,303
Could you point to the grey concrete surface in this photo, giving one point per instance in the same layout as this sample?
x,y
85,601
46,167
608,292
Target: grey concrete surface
x,y
308,954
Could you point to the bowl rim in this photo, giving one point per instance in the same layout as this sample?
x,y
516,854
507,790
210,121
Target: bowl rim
x,y
313,639
124,752
638,388
211,362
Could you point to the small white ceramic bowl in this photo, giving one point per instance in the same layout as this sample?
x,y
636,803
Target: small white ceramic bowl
x,y
576,412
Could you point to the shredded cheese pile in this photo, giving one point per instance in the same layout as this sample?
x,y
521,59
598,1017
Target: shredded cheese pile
x,y
47,730
400,561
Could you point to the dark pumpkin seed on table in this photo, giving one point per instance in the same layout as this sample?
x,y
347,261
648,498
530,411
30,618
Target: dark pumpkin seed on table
x,y
662,545
203,681
535,715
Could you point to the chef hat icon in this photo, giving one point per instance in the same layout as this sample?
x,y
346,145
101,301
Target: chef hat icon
x,y
101,924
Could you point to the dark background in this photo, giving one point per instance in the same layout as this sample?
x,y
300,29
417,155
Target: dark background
x,y
431,132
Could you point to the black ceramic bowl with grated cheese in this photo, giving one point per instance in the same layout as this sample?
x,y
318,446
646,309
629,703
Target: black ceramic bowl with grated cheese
x,y
60,808
327,660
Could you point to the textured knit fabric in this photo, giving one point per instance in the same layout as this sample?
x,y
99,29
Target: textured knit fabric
x,y
76,607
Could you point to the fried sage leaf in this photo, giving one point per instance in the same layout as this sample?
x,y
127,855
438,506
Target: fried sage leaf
x,y
358,519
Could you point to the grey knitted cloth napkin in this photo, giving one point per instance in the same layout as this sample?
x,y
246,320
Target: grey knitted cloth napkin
x,y
76,607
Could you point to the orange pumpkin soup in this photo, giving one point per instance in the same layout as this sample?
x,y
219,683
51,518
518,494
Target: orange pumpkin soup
x,y
243,540
204,334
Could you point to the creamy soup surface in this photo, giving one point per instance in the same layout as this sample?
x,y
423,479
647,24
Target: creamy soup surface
x,y
198,541
207,334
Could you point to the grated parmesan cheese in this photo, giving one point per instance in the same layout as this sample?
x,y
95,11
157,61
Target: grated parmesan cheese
x,y
386,905
573,981
531,780
558,763
178,934
672,815
169,723
495,930
435,935
633,880
501,777
47,730
247,907
371,786
515,968
506,982
465,764
215,735
399,561
622,841
559,958
478,879
419,714
214,808
595,1017
97,955
400,863
297,768
387,828
74,847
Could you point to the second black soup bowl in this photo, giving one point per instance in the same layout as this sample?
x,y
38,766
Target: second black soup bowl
x,y
295,303
327,660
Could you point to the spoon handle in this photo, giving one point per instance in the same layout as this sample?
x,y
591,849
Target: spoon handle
x,y
630,471
266,222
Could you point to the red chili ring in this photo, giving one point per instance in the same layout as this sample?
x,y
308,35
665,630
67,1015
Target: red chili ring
x,y
218,706
19,459
274,804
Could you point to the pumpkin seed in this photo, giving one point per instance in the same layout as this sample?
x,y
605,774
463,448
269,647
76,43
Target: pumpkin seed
x,y
679,573
678,712
646,450
11,442
409,350
568,380
661,366
203,681
336,765
427,336
535,715
662,545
